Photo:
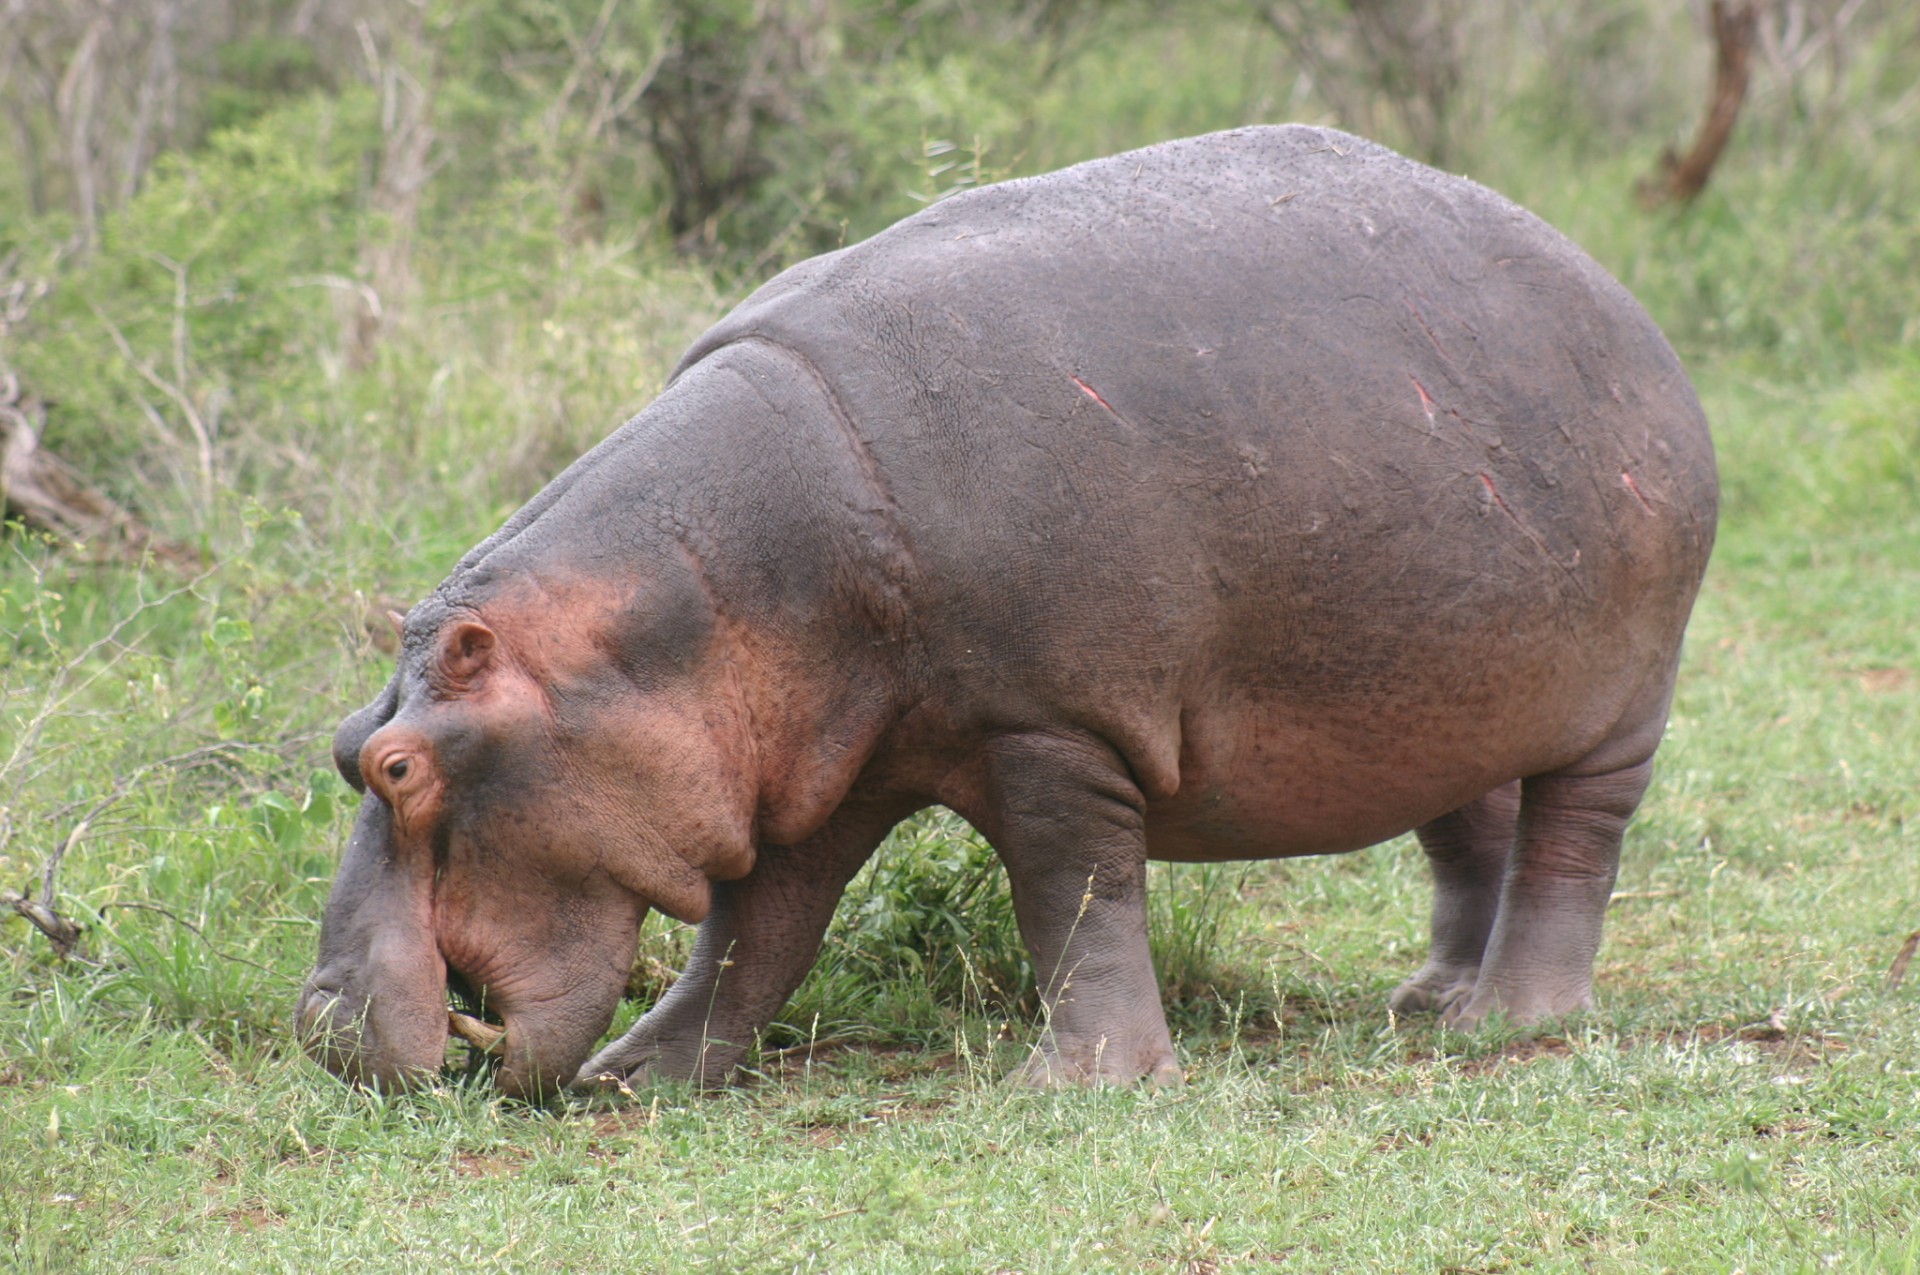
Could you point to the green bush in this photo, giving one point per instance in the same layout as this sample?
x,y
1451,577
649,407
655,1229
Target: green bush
x,y
204,304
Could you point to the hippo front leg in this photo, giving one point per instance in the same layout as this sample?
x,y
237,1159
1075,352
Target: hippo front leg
x,y
1467,850
1068,822
752,950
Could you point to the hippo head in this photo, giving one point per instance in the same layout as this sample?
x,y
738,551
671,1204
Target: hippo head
x,y
547,763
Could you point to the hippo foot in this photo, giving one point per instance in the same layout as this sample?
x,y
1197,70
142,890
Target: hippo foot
x,y
635,1062
1434,989
1087,1064
1522,1007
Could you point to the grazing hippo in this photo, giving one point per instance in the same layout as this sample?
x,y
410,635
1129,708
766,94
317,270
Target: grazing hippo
x,y
1254,495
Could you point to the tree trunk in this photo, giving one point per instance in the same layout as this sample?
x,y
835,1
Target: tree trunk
x,y
1680,179
46,493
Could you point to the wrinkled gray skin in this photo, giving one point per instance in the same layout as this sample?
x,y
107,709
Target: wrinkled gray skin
x,y
1255,495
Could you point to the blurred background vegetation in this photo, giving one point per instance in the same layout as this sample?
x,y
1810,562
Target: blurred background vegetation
x,y
319,292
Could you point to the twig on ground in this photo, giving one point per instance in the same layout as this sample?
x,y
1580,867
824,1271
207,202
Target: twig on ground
x,y
483,1036
63,932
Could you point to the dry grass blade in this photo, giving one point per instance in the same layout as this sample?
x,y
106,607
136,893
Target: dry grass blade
x,y
1897,972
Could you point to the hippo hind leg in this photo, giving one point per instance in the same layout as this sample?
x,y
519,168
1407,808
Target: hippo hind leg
x,y
1467,850
1546,932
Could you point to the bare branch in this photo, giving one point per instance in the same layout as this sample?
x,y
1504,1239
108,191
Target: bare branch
x,y
175,390
68,682
43,913
1681,179
196,931
75,101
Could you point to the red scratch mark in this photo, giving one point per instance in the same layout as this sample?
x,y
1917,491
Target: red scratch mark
x,y
1093,394
1426,399
1421,319
1634,487
1493,494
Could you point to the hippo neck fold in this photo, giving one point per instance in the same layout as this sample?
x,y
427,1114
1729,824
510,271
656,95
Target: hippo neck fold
x,y
737,530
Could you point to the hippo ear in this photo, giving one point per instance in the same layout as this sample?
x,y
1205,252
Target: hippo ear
x,y
466,648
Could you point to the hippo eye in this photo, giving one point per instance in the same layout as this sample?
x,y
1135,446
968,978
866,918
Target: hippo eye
x,y
397,769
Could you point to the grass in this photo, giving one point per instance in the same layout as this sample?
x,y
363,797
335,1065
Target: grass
x,y
1743,1099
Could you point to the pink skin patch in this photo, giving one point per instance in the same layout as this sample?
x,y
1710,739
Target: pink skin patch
x,y
1421,319
1493,494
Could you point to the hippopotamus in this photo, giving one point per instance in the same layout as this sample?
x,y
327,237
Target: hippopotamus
x,y
1253,495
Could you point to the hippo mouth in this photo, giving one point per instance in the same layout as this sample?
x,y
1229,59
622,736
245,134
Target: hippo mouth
x,y
482,1030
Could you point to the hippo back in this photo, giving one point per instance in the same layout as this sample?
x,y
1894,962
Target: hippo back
x,y
1273,411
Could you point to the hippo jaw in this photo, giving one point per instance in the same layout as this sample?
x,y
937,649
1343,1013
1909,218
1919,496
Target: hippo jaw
x,y
334,1027
366,1039
366,1011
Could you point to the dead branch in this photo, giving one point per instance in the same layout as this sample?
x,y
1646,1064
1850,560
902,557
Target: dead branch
x,y
64,932
483,1036
1680,179
74,103
61,932
410,155
191,928
50,495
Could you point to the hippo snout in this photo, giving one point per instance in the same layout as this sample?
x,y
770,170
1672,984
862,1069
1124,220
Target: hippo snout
x,y
314,1011
347,1034
332,1027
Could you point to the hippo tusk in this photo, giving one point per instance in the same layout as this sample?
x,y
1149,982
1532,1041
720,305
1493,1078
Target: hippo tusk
x,y
484,1037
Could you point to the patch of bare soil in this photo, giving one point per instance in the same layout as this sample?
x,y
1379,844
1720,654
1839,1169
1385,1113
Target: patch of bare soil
x,y
1885,681
507,1162
252,1218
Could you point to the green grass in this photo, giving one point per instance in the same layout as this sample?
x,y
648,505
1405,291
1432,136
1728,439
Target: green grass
x,y
1743,1099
